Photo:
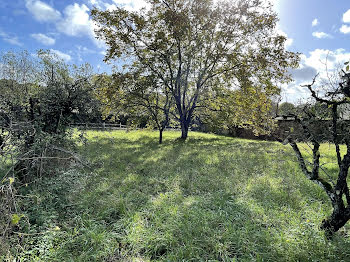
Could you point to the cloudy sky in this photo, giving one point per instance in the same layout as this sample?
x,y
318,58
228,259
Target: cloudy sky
x,y
318,29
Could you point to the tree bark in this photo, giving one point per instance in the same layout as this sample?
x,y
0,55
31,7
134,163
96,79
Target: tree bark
x,y
2,142
337,220
160,136
184,129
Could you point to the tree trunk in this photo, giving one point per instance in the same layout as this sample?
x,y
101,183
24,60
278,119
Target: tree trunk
x,y
160,136
184,130
2,143
31,110
337,220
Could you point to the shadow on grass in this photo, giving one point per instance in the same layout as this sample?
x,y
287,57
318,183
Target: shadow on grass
x,y
189,196
208,198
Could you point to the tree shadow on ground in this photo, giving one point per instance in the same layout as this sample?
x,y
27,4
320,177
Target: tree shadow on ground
x,y
208,198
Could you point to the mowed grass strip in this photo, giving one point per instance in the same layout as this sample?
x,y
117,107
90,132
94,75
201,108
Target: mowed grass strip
x,y
210,198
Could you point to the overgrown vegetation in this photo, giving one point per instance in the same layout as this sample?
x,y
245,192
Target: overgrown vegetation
x,y
194,200
39,97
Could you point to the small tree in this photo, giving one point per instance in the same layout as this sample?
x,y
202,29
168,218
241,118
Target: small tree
x,y
137,94
335,130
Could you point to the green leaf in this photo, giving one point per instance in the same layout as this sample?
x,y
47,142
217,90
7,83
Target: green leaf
x,y
15,219
12,180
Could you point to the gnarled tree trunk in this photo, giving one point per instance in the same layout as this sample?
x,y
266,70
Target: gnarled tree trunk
x,y
337,191
339,217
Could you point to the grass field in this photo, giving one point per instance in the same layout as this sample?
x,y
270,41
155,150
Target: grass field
x,y
211,198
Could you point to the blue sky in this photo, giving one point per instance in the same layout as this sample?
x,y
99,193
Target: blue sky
x,y
319,29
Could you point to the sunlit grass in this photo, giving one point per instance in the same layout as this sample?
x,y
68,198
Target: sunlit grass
x,y
211,198
328,161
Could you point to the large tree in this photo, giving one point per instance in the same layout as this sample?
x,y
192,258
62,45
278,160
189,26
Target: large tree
x,y
192,46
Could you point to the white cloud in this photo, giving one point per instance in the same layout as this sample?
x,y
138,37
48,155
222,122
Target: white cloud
x,y
102,5
321,35
61,55
288,42
345,29
303,73
132,5
322,58
82,50
76,21
85,50
44,39
12,39
110,7
346,17
315,22
322,61
42,11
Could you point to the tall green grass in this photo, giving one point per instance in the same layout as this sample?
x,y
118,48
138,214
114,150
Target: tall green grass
x,y
211,198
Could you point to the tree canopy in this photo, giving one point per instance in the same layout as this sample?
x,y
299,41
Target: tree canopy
x,y
197,48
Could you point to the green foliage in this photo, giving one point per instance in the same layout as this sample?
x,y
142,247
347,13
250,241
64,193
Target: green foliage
x,y
138,96
211,198
9,216
249,108
193,47
286,109
44,89
15,219
39,98
317,110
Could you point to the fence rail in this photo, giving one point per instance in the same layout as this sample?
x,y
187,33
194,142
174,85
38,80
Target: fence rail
x,y
100,126
109,126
